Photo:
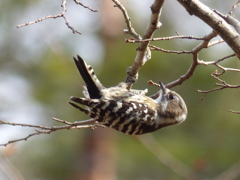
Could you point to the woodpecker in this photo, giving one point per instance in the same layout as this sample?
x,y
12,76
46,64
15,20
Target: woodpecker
x,y
127,111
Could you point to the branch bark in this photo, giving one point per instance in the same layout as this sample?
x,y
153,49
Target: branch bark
x,y
229,35
144,53
91,123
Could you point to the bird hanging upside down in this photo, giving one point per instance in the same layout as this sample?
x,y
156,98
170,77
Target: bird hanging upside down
x,y
128,111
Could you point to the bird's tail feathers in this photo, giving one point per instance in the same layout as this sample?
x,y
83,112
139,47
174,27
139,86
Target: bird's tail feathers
x,y
86,71
79,108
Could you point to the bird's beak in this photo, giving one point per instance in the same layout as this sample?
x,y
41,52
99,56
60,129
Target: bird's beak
x,y
163,87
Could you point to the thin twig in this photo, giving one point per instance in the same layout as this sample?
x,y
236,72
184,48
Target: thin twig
x,y
235,112
195,60
208,91
91,123
130,29
234,7
155,48
162,39
215,63
223,85
143,52
24,125
150,82
62,14
81,4
224,58
131,77
213,43
216,22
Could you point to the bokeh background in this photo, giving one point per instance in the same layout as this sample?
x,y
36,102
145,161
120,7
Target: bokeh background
x,y
37,77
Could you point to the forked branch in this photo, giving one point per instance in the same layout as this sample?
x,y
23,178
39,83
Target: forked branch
x,y
60,15
216,22
143,52
221,85
92,124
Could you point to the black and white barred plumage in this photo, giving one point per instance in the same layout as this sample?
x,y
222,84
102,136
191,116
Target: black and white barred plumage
x,y
128,111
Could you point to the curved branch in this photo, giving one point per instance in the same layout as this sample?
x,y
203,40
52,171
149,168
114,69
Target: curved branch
x,y
91,123
235,112
87,7
229,35
195,60
130,30
62,14
143,52
223,85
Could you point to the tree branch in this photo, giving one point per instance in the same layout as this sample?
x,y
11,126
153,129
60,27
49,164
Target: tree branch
x,y
162,39
91,123
229,35
143,52
195,60
235,112
223,85
215,63
130,29
62,14
81,4
155,48
234,7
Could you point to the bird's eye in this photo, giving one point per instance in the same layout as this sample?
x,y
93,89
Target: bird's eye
x,y
171,96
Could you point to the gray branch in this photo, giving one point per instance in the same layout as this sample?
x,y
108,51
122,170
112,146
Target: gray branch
x,y
143,52
216,22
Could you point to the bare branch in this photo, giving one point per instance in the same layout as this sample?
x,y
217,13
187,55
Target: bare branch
x,y
162,39
21,139
144,54
236,112
130,29
195,60
230,20
24,125
155,48
213,43
218,61
69,26
215,63
62,14
81,4
230,36
208,91
223,85
234,7
91,123
150,82
63,5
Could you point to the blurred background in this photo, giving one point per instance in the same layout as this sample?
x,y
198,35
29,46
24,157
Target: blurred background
x,y
37,77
